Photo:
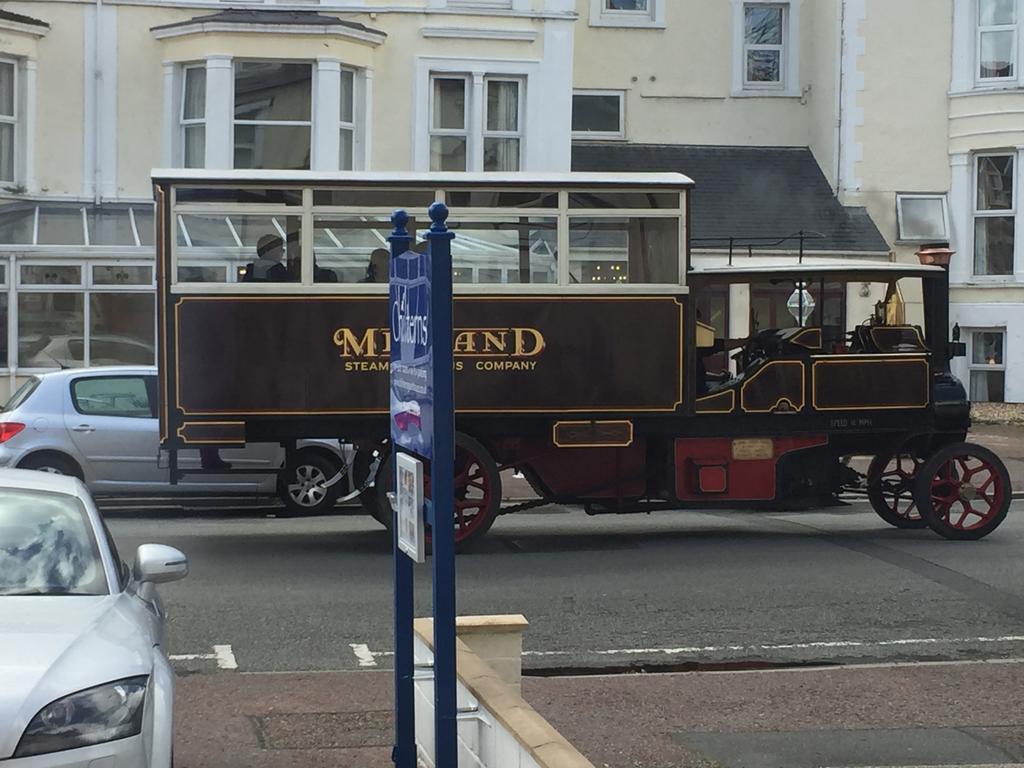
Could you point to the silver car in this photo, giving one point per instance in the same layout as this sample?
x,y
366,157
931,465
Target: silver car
x,y
100,425
84,680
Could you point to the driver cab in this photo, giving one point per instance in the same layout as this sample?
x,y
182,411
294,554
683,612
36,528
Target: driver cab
x,y
786,340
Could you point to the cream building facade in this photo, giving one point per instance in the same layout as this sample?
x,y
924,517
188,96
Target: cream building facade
x,y
883,125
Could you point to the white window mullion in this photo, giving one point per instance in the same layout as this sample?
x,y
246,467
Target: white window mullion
x,y
363,141
327,87
477,108
86,330
219,112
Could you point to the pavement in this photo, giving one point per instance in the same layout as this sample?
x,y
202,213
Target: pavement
x,y
677,639
886,715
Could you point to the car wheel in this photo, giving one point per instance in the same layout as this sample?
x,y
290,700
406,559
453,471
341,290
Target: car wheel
x,y
304,489
52,463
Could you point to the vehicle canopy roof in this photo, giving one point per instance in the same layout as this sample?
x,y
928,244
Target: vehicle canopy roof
x,y
848,270
421,179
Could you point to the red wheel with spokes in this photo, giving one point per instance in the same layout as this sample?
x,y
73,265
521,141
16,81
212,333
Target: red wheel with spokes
x,y
891,489
477,490
963,491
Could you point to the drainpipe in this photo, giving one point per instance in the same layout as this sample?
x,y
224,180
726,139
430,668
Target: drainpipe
x,y
96,100
841,82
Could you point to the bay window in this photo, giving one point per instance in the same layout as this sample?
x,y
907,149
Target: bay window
x,y
237,113
997,40
994,214
455,144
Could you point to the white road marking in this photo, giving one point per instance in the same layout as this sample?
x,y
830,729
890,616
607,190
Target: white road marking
x,y
222,654
225,657
192,656
364,654
784,646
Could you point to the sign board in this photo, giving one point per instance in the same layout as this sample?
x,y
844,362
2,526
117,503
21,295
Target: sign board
x,y
412,396
409,507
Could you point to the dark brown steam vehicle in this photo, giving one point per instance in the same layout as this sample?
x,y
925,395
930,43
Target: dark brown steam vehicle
x,y
591,355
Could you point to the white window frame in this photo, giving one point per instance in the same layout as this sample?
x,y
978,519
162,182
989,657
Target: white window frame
x,y
183,122
653,17
789,64
995,212
275,123
13,119
979,30
984,367
621,132
520,107
474,124
464,132
84,287
901,196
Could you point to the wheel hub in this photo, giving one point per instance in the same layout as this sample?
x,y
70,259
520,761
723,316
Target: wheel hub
x,y
968,492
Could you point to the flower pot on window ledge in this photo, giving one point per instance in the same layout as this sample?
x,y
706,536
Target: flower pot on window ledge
x,y
938,254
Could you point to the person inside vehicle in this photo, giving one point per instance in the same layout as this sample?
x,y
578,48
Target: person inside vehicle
x,y
269,266
377,269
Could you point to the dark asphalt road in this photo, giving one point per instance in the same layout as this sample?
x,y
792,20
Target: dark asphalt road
x,y
606,592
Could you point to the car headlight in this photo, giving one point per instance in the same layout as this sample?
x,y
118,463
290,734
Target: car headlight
x,y
93,716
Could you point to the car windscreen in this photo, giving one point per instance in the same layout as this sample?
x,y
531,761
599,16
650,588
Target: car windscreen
x,y
21,394
47,546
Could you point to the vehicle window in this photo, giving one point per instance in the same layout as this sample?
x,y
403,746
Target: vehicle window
x,y
47,546
112,396
21,394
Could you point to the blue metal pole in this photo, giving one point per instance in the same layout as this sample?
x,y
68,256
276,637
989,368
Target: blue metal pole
x,y
404,752
442,475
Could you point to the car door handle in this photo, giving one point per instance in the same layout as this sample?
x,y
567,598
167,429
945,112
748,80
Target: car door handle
x,y
83,428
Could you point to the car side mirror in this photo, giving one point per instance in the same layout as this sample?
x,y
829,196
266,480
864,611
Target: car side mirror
x,y
159,564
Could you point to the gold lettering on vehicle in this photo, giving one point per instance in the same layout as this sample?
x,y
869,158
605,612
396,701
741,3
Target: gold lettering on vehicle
x,y
499,349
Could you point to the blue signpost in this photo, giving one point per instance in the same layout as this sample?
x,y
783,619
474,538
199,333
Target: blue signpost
x,y
423,425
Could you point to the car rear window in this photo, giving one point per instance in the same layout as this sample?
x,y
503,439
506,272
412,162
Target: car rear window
x,y
112,396
47,546
21,394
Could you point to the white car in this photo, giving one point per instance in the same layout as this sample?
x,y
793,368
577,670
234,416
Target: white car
x,y
100,425
84,680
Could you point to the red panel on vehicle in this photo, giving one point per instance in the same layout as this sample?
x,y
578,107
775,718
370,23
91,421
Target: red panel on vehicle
x,y
746,479
594,473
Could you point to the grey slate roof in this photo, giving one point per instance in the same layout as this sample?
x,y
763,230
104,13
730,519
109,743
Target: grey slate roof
x,y
268,16
747,192
20,19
